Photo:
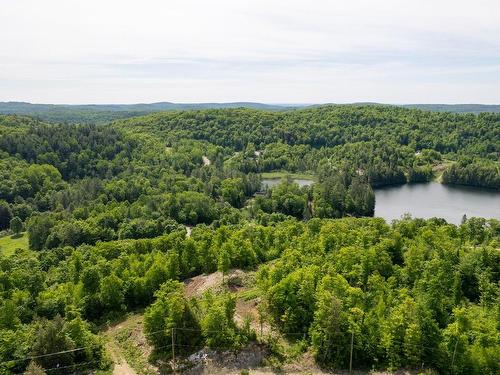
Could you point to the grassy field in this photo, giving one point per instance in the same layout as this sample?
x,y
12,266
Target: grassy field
x,y
9,244
303,176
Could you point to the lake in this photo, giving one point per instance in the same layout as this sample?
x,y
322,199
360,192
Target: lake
x,y
270,182
433,199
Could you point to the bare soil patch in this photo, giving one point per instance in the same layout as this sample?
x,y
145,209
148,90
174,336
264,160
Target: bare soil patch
x,y
196,286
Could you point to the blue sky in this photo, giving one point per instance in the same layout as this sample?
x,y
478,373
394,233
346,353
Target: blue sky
x,y
392,51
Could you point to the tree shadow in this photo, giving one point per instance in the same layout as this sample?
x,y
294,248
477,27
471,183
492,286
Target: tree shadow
x,y
16,236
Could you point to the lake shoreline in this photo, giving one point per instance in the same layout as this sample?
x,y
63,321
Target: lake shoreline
x,y
436,182
434,199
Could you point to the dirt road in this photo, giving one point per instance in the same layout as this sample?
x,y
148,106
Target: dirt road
x,y
121,367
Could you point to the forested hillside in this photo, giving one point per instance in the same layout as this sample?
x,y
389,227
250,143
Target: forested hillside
x,y
383,143
102,113
119,215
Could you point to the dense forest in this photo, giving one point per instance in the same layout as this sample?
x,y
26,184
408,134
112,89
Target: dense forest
x,y
387,145
119,215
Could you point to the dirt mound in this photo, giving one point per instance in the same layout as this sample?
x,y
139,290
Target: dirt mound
x,y
196,286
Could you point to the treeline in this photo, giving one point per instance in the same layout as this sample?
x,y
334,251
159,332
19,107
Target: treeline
x,y
330,126
104,113
473,173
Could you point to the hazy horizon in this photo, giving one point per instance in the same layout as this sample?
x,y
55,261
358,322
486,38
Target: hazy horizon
x,y
281,52
241,101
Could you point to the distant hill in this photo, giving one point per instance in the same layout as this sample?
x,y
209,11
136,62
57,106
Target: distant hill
x,y
452,108
456,108
98,113
101,113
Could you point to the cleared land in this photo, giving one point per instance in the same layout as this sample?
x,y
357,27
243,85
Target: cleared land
x,y
281,174
9,244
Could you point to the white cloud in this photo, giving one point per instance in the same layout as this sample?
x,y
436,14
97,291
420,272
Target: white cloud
x,y
114,51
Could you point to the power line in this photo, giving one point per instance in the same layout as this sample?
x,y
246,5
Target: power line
x,y
217,331
395,341
43,355
392,340
65,367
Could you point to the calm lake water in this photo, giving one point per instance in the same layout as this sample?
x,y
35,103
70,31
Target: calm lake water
x,y
270,182
432,199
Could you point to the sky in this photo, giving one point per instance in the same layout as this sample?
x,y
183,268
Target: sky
x,y
272,51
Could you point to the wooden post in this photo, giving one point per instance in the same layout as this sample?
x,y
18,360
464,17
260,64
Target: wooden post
x,y
174,367
350,359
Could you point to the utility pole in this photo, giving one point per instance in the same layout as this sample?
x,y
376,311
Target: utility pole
x,y
174,366
453,358
350,359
